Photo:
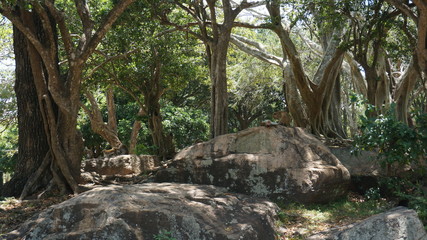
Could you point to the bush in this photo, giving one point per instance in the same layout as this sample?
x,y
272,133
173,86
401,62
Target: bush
x,y
399,144
395,141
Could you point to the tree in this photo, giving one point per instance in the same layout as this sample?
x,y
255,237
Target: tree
x,y
381,44
419,16
254,93
155,65
30,123
215,36
417,12
320,94
58,90
292,98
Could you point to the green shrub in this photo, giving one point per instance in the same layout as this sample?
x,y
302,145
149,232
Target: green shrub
x,y
164,235
399,144
395,141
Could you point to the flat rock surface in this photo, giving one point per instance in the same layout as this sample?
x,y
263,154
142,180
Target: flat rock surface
x,y
146,211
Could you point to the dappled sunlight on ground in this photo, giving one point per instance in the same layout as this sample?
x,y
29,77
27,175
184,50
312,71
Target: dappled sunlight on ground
x,y
300,221
14,212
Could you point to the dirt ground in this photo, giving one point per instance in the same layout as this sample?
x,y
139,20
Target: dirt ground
x,y
14,212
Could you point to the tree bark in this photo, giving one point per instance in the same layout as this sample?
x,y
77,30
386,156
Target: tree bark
x,y
137,125
422,35
218,68
30,153
402,94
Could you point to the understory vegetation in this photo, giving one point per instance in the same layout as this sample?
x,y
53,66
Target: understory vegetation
x,y
402,152
300,221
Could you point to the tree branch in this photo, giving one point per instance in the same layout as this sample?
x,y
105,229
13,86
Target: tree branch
x,y
87,23
63,29
103,29
47,26
7,12
110,59
405,9
257,52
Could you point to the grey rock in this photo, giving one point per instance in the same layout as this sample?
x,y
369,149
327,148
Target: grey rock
x,y
397,224
143,211
277,162
364,163
121,165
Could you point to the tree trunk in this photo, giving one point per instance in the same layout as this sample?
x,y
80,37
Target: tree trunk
x,y
316,94
293,99
165,147
421,48
30,152
403,91
137,125
108,131
111,109
152,93
219,108
216,37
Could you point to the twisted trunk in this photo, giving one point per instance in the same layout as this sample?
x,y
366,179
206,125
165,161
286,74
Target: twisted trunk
x,y
108,131
30,125
317,94
58,96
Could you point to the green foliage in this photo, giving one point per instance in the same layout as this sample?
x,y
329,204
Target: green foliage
x,y
8,108
398,143
188,125
373,193
394,140
410,192
8,149
254,93
5,39
320,14
8,123
164,235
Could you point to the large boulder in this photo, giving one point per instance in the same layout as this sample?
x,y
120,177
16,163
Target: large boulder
x,y
147,211
398,223
364,163
121,165
277,162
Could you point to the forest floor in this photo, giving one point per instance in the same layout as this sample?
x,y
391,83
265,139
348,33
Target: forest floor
x,y
14,212
297,220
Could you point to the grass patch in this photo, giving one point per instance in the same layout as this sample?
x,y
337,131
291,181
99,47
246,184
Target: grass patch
x,y
300,221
